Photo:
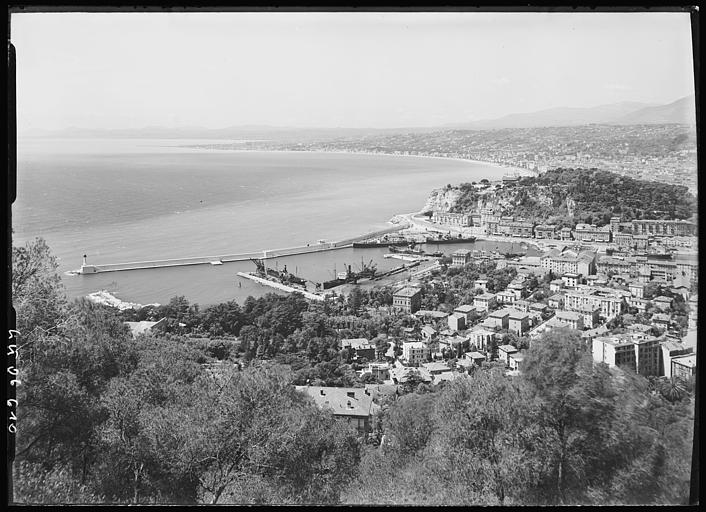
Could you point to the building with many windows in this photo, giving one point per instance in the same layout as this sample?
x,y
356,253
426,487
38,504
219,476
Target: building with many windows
x,y
610,302
407,299
460,257
664,227
684,367
415,352
641,355
451,219
545,231
591,233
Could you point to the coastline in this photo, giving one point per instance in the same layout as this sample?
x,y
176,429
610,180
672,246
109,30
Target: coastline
x,y
369,153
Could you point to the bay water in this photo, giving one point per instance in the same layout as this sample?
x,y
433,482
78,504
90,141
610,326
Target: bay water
x,y
121,200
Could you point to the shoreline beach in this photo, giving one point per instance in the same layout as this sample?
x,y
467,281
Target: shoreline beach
x,y
370,153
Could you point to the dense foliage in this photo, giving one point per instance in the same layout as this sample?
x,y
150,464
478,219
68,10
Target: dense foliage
x,y
568,196
206,411
563,432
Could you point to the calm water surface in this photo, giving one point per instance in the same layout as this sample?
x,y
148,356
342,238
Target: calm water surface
x,y
131,200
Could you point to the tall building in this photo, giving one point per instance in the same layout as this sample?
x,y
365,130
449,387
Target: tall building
x,y
637,353
407,299
415,352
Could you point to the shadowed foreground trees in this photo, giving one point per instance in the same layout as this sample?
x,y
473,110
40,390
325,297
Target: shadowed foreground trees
x,y
563,432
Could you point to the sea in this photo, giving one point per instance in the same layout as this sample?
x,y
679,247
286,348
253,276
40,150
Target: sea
x,y
124,200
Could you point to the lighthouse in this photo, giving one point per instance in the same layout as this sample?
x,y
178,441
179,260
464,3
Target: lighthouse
x,y
87,269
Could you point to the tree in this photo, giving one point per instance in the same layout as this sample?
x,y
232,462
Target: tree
x,y
409,423
37,293
480,428
573,405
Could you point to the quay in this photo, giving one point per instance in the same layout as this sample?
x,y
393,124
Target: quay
x,y
280,286
219,260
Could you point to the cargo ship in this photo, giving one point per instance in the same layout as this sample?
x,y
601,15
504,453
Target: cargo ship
x,y
366,271
410,249
284,277
448,239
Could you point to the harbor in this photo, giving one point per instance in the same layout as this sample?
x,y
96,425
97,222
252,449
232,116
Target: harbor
x,y
322,245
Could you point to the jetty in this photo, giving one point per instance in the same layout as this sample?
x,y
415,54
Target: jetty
x,y
321,246
280,286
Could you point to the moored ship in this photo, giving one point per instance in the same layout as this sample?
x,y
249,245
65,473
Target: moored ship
x,y
448,239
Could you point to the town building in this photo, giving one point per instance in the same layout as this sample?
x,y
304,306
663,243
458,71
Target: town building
x,y
499,319
590,315
623,240
556,285
545,231
664,227
662,302
451,219
454,344
556,301
505,297
591,233
407,299
614,351
515,360
457,321
570,319
481,283
670,350
641,355
684,367
516,228
415,352
637,289
610,302
518,322
460,257
476,357
504,352
353,405
466,310
570,279
481,338
436,367
361,347
484,302
522,305
428,333
661,320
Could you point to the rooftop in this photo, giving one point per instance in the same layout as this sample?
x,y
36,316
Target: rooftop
x,y
407,291
343,401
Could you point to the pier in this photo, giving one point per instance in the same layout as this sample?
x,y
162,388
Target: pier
x,y
219,260
280,286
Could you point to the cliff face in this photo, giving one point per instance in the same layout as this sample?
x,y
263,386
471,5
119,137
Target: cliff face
x,y
533,202
442,199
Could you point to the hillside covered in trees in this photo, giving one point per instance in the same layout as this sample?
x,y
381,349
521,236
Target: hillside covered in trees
x,y
569,196
207,412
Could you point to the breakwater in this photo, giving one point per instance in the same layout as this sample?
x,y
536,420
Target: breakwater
x,y
216,260
280,286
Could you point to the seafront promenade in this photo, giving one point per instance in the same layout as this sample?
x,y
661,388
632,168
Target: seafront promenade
x,y
87,269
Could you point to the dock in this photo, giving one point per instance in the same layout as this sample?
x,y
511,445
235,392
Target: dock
x,y
219,260
280,286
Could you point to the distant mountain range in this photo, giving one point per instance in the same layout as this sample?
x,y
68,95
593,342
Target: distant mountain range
x,y
681,111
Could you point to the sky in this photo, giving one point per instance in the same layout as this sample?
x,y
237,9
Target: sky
x,y
357,70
